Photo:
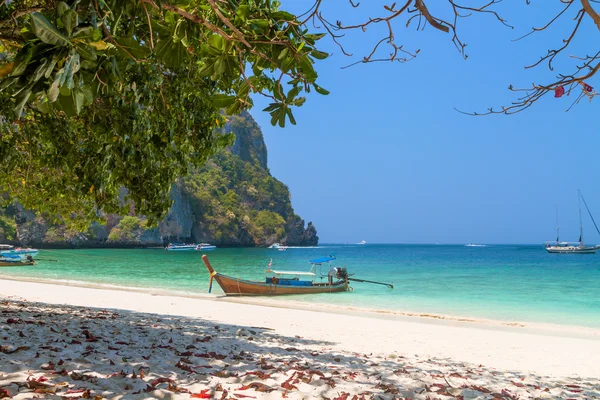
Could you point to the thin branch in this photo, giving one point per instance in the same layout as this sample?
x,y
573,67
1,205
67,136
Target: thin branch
x,y
149,25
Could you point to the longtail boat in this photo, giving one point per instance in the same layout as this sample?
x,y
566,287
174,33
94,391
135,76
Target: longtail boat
x,y
281,282
16,261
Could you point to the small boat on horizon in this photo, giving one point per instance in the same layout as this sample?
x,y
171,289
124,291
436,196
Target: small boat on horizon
x,y
473,245
568,247
282,282
362,242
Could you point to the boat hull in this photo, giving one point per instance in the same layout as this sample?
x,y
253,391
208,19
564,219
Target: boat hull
x,y
16,263
21,253
576,250
240,287
206,248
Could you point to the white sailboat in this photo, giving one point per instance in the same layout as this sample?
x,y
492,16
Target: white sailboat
x,y
567,247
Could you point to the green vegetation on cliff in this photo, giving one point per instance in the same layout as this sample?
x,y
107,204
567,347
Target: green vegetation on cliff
x,y
231,201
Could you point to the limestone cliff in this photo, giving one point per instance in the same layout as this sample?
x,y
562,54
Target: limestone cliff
x,y
232,201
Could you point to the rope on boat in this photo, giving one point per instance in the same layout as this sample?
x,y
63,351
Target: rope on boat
x,y
212,275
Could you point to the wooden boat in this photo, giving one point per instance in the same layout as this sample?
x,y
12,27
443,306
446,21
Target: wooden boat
x,y
280,282
16,262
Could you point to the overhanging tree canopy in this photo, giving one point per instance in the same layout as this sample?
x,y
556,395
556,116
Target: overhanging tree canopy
x,y
101,95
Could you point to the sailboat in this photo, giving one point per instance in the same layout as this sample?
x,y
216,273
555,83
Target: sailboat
x,y
566,247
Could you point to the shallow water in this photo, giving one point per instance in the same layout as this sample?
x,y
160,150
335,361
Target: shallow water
x,y
499,282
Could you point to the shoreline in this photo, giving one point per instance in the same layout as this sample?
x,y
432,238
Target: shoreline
x,y
385,314
526,349
407,315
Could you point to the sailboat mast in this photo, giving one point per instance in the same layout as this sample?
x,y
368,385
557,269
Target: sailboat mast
x,y
580,223
557,227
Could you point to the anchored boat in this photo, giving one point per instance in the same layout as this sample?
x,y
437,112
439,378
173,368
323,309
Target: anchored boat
x,y
7,250
181,247
575,248
282,282
9,260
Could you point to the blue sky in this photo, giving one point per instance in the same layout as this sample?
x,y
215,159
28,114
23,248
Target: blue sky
x,y
386,158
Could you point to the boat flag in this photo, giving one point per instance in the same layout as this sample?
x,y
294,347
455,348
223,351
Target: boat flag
x,y
587,87
559,91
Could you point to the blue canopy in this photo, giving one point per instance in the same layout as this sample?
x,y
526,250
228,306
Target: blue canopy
x,y
322,260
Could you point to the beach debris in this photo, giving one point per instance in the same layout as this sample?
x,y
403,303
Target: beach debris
x,y
259,387
204,394
95,352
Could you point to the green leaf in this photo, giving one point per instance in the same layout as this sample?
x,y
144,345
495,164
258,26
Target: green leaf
x,y
243,11
39,71
22,60
307,69
88,34
222,100
320,90
46,31
283,16
61,8
259,25
54,90
21,101
288,111
319,55
69,19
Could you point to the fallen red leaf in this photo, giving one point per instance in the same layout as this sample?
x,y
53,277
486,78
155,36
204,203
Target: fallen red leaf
x,y
202,395
259,387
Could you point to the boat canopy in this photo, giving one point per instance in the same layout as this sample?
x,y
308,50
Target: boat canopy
x,y
322,260
292,273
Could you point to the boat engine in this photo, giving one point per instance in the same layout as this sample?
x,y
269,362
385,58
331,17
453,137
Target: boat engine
x,y
341,273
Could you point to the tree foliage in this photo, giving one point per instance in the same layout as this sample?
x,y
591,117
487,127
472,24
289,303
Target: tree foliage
x,y
100,95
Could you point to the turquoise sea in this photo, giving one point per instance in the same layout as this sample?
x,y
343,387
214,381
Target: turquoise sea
x,y
512,283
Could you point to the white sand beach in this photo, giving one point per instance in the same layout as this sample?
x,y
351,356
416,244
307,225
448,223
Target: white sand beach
x,y
78,342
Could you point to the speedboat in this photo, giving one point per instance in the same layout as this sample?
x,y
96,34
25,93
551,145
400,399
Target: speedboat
x,y
363,242
181,247
7,250
205,247
275,246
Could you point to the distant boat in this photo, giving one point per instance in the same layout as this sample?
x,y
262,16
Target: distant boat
x,y
205,247
9,250
577,247
282,248
474,245
362,242
181,247
275,246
